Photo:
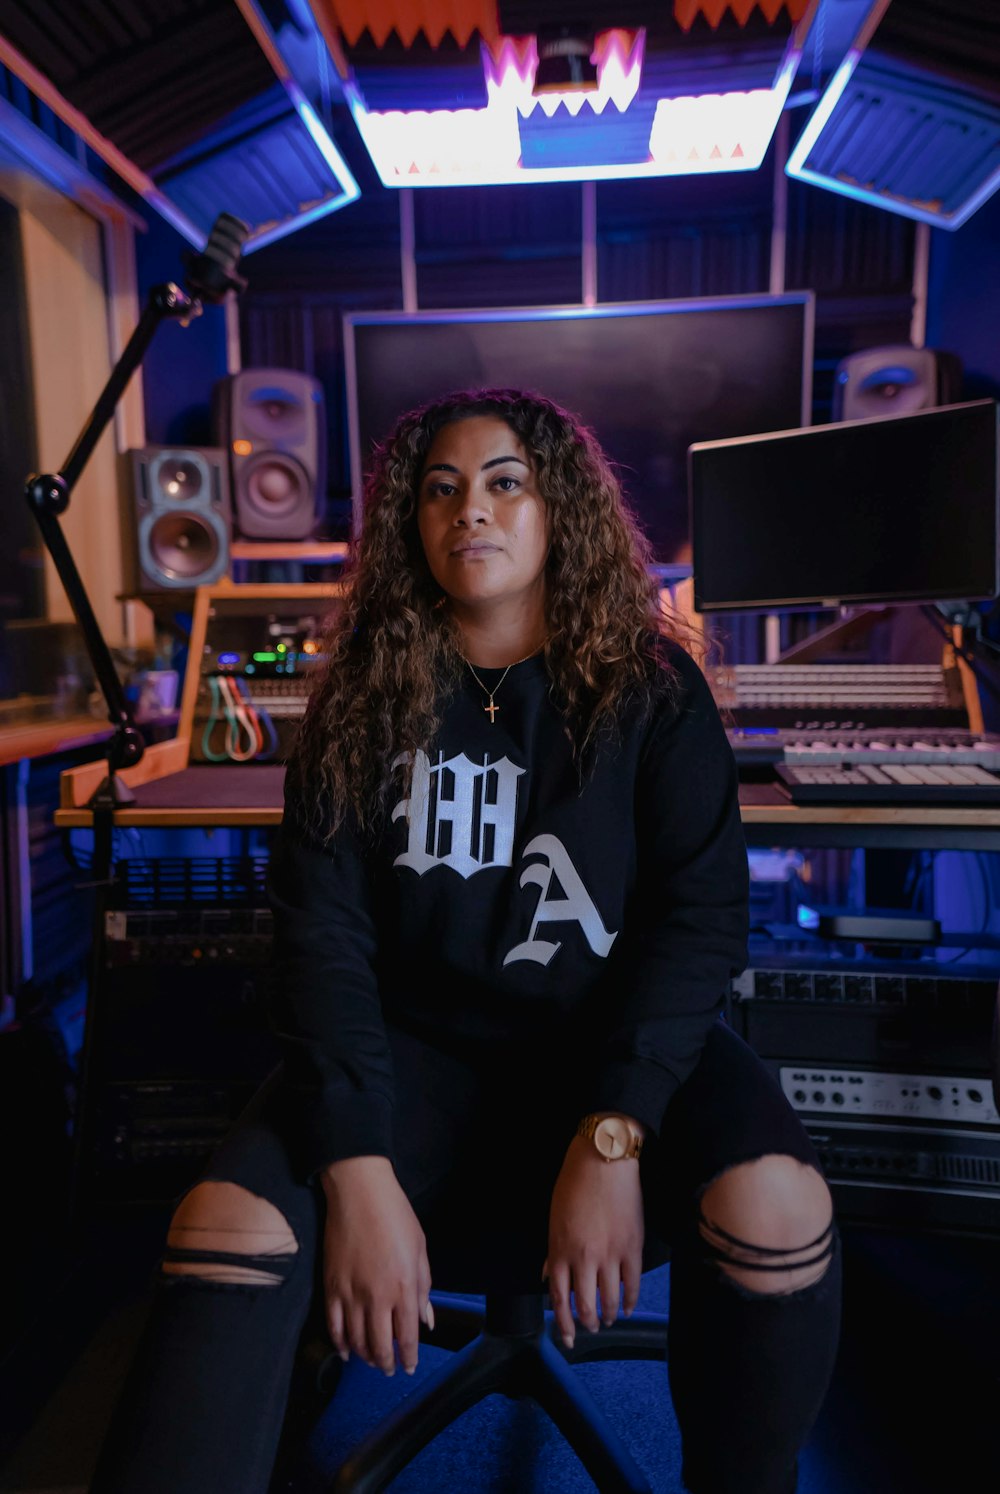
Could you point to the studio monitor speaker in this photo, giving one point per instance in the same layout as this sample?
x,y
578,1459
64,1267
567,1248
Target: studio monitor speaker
x,y
271,422
176,517
895,380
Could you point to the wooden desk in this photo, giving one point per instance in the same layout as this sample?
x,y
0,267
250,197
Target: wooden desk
x,y
47,738
169,793
44,738
770,819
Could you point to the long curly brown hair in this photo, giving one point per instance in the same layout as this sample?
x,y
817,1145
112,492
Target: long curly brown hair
x,y
393,652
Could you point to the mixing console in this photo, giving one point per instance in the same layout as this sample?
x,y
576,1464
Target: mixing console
x,y
824,697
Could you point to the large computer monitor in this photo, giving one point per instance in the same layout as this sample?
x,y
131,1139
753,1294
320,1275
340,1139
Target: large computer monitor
x,y
649,378
887,509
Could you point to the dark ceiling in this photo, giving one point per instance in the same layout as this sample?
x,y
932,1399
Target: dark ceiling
x,y
154,78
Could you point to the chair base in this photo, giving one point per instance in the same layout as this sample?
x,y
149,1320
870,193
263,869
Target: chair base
x,y
515,1352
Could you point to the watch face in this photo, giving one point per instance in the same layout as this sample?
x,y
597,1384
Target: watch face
x,y
612,1137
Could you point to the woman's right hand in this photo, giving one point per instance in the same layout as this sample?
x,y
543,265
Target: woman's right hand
x,y
376,1274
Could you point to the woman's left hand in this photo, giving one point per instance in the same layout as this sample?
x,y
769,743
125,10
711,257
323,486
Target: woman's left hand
x,y
595,1238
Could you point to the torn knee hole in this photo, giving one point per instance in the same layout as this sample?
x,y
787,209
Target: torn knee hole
x,y
772,1199
783,1283
767,1270
223,1272
222,1233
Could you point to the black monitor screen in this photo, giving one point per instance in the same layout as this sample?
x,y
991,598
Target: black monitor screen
x,y
897,508
648,379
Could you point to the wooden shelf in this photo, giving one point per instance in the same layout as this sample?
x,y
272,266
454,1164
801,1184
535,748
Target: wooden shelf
x,y
314,550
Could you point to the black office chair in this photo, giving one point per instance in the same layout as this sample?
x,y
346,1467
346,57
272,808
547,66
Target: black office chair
x,y
505,1343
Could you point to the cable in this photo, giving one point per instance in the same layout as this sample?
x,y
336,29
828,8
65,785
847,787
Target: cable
x,y
983,868
215,716
965,654
238,717
264,723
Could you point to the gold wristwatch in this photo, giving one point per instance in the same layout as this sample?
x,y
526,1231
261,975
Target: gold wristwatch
x,y
614,1136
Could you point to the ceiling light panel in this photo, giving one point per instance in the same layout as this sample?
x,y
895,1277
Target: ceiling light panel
x,y
686,106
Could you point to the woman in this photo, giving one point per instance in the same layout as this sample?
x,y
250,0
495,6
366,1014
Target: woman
x,y
510,889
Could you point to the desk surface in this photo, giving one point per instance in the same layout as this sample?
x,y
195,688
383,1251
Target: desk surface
x,y
251,795
32,739
46,736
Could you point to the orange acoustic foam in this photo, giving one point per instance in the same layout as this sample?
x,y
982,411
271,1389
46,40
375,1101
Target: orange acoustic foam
x,y
461,19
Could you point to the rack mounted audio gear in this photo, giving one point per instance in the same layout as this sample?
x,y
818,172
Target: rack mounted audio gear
x,y
888,1064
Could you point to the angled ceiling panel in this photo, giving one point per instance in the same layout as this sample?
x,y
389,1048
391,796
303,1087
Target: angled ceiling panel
x,y
274,174
909,142
189,101
911,119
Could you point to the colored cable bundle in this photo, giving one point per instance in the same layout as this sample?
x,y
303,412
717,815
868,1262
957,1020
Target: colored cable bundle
x,y
233,704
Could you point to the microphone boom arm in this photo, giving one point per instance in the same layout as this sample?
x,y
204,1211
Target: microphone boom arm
x,y
210,275
48,496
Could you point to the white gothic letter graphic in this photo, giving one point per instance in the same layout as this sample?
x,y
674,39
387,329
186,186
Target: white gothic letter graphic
x,y
459,814
576,906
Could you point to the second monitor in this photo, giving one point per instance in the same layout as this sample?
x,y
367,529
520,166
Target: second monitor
x,y
891,509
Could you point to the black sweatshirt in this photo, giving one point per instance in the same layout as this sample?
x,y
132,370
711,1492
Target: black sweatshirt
x,y
512,904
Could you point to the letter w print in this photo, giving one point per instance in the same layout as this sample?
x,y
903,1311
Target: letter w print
x,y
458,814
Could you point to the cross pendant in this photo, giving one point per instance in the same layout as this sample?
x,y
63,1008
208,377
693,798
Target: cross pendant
x,y
492,710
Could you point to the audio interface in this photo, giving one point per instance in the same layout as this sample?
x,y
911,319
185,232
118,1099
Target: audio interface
x,y
938,1098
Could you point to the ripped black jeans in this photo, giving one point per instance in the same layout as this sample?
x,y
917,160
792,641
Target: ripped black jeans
x,y
205,1400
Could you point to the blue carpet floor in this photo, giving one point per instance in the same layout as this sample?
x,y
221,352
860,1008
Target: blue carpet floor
x,y
911,1410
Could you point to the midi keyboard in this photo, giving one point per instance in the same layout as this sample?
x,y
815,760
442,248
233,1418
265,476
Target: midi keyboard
x,y
944,784
837,745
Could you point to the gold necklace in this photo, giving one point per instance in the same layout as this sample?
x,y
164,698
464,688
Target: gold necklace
x,y
493,709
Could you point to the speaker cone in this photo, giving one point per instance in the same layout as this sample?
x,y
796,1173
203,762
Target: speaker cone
x,y
179,480
183,545
275,485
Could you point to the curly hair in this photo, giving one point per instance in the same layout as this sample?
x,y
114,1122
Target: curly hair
x,y
393,652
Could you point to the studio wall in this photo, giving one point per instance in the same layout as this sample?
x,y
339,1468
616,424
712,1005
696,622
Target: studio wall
x,y
657,239
964,298
182,363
